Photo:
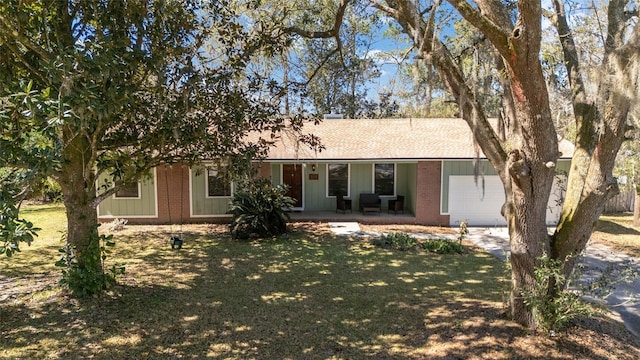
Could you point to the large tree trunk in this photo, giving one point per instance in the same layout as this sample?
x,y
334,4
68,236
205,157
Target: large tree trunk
x,y
601,128
82,232
77,181
530,175
527,170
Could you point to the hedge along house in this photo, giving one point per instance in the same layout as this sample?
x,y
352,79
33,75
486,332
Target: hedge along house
x,y
430,162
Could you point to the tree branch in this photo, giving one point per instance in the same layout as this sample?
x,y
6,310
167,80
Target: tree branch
x,y
571,59
494,32
471,111
11,30
334,32
317,69
631,14
36,72
417,28
384,8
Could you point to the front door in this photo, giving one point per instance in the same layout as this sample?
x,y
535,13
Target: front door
x,y
292,177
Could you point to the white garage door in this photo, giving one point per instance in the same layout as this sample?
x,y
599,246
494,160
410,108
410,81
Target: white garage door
x,y
468,202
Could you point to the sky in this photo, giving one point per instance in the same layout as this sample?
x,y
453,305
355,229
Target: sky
x,y
389,52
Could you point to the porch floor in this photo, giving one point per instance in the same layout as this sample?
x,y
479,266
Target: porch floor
x,y
356,216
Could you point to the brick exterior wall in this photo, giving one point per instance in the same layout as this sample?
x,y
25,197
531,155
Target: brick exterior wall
x,y
429,177
174,198
263,170
169,198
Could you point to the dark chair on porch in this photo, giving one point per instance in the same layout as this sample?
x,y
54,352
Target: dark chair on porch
x,y
342,203
396,205
369,203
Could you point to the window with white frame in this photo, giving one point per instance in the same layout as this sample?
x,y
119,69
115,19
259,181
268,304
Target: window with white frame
x,y
128,191
384,176
218,184
338,179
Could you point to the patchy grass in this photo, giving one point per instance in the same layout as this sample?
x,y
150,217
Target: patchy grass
x,y
617,231
304,295
38,258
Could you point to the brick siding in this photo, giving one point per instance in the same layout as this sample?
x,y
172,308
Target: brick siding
x,y
429,177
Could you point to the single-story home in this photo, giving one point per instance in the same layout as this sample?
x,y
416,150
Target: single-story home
x,y
429,162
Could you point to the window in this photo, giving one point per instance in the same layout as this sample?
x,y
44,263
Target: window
x,y
384,179
218,183
338,179
129,191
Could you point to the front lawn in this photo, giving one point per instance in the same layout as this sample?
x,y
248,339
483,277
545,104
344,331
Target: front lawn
x,y
306,295
617,231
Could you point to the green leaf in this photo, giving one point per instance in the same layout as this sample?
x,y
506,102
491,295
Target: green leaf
x,y
61,263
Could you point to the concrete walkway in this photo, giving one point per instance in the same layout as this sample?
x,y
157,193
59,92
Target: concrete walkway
x,y
597,259
624,301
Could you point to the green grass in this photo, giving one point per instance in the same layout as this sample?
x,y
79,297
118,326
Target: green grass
x,y
617,231
304,295
39,257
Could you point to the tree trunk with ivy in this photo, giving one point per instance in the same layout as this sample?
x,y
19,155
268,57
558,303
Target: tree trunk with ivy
x,y
84,271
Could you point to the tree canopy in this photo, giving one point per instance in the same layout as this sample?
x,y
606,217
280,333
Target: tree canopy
x,y
115,88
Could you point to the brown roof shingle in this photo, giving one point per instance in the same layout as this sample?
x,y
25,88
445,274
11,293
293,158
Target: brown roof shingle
x,y
391,139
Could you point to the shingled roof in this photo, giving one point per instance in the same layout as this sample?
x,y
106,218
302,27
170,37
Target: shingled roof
x,y
388,139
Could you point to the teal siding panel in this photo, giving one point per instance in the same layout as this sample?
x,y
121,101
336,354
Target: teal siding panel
x,y
201,204
144,206
361,181
563,166
276,174
316,189
406,184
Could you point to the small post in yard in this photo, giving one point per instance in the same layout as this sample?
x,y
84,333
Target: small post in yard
x,y
176,242
463,232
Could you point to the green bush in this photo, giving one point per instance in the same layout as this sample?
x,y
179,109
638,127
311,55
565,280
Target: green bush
x,y
90,279
553,306
46,190
405,242
13,229
396,241
260,210
442,246
51,190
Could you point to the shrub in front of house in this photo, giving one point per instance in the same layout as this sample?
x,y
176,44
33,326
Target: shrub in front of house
x,y
396,241
442,246
260,210
405,242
